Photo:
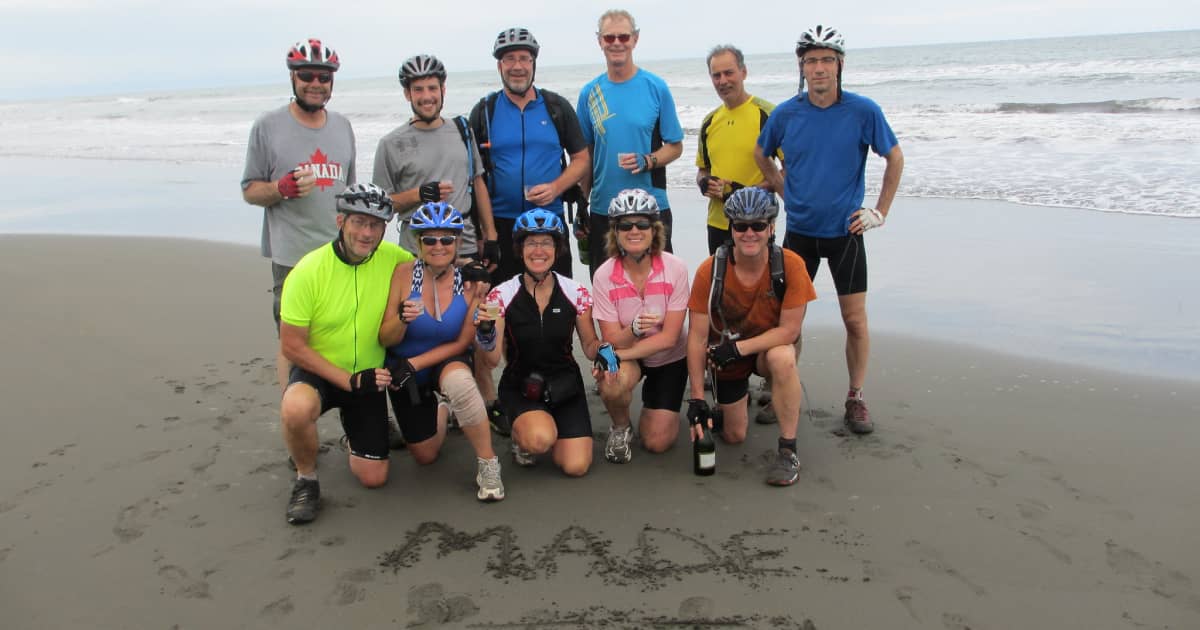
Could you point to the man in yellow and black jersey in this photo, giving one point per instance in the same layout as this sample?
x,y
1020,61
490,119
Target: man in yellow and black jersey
x,y
725,154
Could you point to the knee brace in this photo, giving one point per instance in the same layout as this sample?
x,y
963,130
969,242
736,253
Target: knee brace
x,y
460,390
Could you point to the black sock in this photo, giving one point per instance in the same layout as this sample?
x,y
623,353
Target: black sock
x,y
788,444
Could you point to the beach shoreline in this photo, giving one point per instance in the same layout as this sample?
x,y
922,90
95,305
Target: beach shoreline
x,y
148,482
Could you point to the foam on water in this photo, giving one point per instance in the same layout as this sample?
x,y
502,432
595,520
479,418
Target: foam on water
x,y
1102,123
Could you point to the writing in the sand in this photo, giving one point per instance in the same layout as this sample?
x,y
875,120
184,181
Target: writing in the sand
x,y
744,555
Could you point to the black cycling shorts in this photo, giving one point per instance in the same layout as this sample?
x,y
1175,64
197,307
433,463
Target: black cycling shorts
x,y
364,416
571,417
418,422
847,256
663,385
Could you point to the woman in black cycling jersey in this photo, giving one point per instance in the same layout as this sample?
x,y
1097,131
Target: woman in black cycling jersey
x,y
427,332
541,387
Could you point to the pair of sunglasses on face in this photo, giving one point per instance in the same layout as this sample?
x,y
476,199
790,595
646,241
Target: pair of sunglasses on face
x,y
430,241
307,76
626,226
757,226
622,37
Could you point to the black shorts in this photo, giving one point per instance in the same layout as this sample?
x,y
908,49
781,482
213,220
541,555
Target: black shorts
x,y
731,391
279,273
847,257
716,237
364,416
571,416
664,385
418,422
598,228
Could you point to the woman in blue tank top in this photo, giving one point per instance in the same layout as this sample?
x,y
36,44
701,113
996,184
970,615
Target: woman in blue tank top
x,y
428,338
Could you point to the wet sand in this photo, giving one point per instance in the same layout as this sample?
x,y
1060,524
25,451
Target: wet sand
x,y
143,484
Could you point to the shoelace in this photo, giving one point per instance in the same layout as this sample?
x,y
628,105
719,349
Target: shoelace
x,y
491,471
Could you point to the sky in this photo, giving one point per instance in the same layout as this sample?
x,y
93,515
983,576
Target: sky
x,y
57,48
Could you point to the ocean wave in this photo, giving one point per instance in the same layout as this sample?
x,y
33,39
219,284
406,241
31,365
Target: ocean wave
x,y
1144,105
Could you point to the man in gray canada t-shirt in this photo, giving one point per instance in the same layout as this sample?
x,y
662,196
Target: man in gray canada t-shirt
x,y
298,157
426,159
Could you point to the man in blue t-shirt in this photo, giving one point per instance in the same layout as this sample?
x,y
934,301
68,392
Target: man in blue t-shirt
x,y
628,117
824,134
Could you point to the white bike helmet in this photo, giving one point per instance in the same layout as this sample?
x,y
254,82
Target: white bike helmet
x,y
633,201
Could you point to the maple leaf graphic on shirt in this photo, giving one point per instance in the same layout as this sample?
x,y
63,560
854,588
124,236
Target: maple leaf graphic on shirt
x,y
325,171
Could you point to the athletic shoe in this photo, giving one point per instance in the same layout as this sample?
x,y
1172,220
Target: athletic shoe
x,y
766,414
858,419
487,477
344,442
786,469
396,439
498,420
306,499
522,458
616,449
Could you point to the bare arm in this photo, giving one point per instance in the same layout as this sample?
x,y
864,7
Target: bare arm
x,y
393,326
891,179
264,193
786,333
631,347
697,352
579,166
771,173
585,327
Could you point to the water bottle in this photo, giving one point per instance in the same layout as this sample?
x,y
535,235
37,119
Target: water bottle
x,y
704,454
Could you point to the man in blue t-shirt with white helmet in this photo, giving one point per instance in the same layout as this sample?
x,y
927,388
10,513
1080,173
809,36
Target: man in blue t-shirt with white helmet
x,y
824,134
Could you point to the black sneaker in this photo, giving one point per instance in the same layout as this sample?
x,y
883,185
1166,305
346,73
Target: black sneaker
x,y
766,414
306,499
786,470
498,420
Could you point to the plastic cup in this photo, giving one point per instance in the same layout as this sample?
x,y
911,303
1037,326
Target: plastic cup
x,y
621,157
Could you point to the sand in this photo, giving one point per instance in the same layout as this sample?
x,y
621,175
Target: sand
x,y
143,484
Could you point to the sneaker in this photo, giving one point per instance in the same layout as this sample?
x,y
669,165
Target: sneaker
x,y
616,449
858,419
522,458
766,414
396,439
498,420
306,499
487,477
786,469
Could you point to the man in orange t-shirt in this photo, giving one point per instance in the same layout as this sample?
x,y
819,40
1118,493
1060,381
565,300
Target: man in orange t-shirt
x,y
752,329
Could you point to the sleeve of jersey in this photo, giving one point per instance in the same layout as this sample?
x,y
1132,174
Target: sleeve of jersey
x,y
603,307
768,140
698,301
585,119
503,293
574,142
878,132
578,294
257,167
296,301
800,289
702,141
352,171
668,118
381,176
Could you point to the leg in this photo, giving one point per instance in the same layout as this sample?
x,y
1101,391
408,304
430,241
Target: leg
x,y
617,395
573,455
662,395
779,363
365,421
534,431
733,396
466,404
664,215
423,424
659,428
858,340
298,415
283,367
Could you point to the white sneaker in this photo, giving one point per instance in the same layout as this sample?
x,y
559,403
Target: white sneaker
x,y
522,458
616,449
487,477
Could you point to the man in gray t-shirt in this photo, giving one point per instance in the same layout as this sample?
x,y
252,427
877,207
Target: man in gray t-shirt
x,y
299,156
426,159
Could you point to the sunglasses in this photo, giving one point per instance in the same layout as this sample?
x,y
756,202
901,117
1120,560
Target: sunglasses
x,y
307,76
622,37
625,226
757,226
434,240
